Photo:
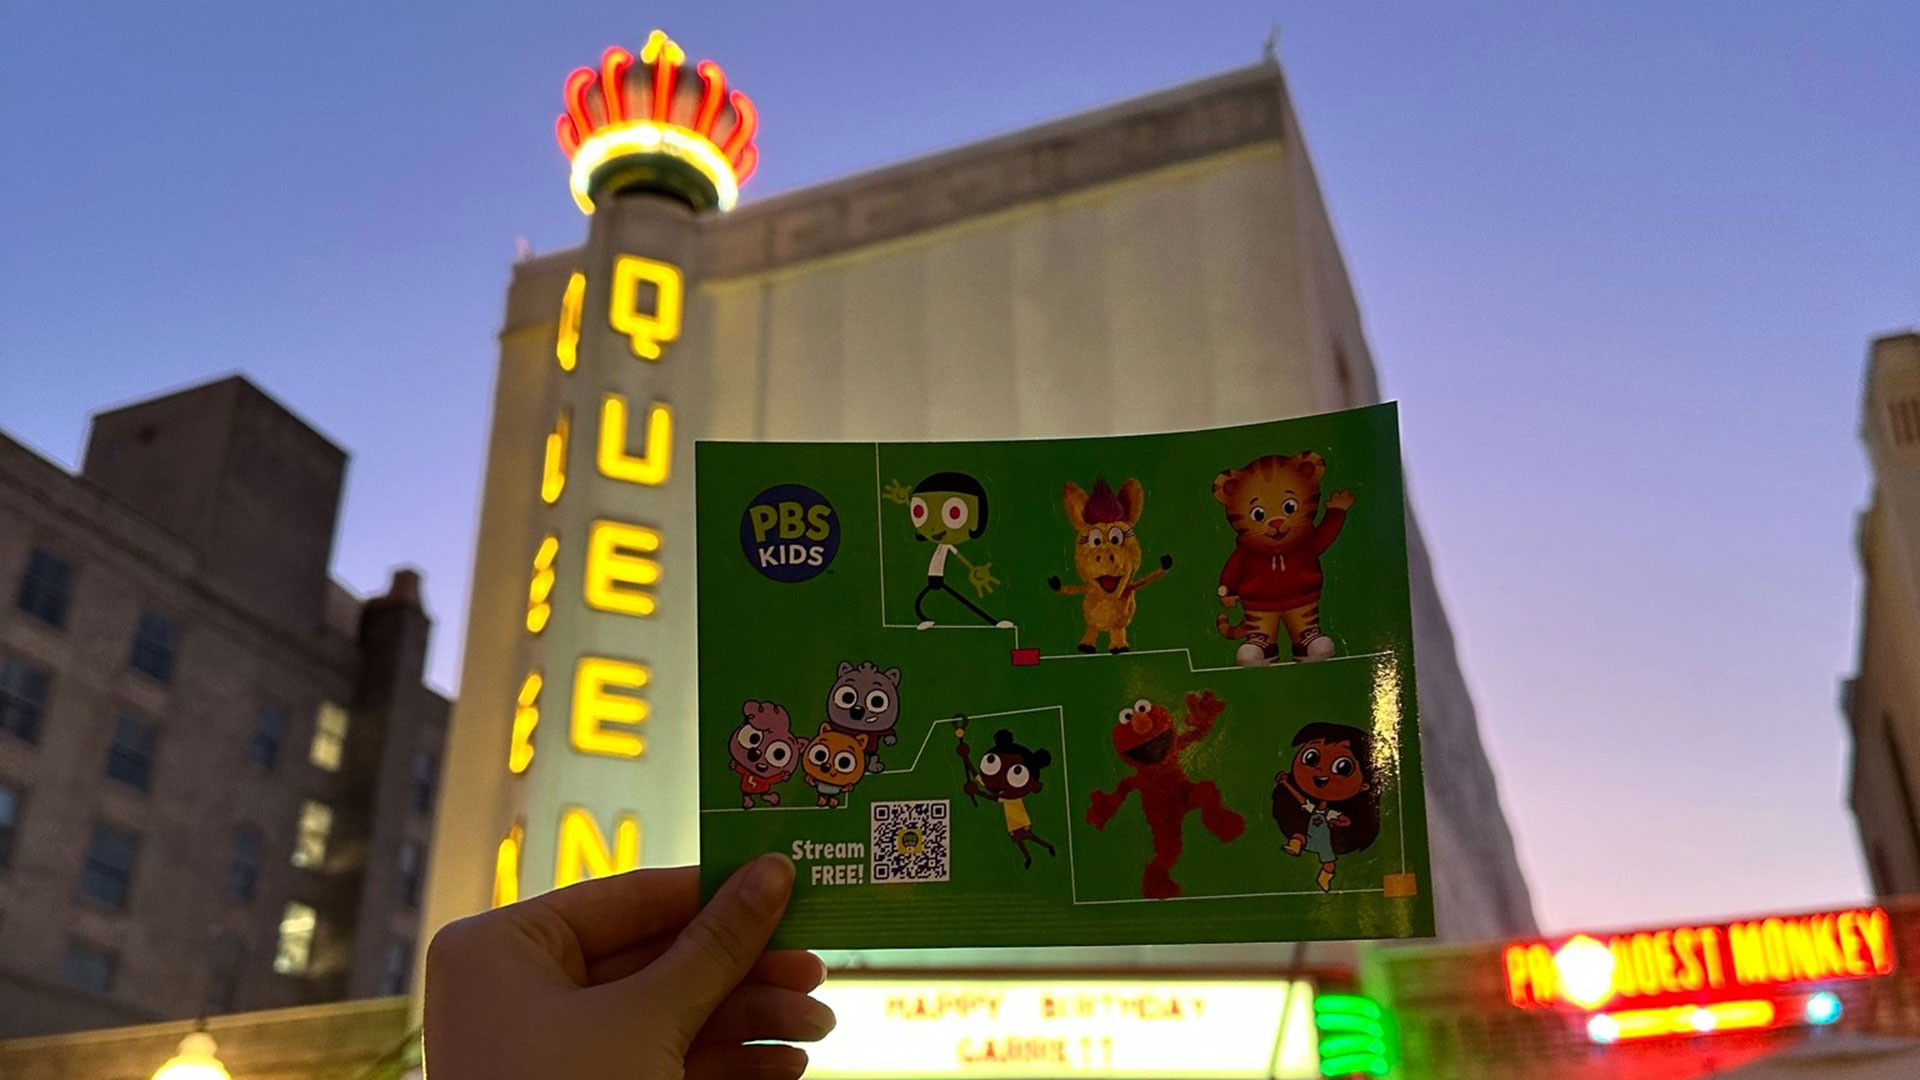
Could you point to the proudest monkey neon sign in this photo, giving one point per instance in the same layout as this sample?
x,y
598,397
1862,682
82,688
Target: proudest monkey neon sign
x,y
1700,962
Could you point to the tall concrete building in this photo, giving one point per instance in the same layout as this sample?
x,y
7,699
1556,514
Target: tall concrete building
x,y
1164,263
217,766
1882,701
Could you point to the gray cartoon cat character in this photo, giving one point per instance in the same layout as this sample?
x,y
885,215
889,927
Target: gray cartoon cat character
x,y
864,705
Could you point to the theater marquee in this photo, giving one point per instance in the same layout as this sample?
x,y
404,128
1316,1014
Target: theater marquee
x,y
939,1027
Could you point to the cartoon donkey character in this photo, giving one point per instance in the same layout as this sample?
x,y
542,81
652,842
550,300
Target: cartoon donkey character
x,y
1107,555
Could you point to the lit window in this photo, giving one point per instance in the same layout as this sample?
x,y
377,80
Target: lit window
x,y
426,772
295,950
45,587
130,758
310,843
412,863
269,726
243,872
399,969
107,874
23,698
88,967
153,644
329,737
10,806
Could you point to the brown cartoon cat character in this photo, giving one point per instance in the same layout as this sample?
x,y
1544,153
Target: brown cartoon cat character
x,y
834,762
1274,572
1106,555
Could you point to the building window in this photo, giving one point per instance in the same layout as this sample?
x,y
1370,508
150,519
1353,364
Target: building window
x,y
154,641
294,952
23,698
310,841
412,866
46,586
107,874
88,967
329,737
269,726
426,771
11,800
243,872
399,969
130,758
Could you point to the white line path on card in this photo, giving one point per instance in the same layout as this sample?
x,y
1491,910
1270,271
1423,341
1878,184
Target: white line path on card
x,y
880,541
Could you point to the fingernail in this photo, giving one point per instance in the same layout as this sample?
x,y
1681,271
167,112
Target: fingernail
x,y
817,1021
769,878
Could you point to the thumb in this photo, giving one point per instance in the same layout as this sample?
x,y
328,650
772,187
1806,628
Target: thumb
x,y
720,945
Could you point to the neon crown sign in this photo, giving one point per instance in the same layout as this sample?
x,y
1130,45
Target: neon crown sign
x,y
647,125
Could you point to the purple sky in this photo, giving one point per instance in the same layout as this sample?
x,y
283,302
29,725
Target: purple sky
x,y
1621,266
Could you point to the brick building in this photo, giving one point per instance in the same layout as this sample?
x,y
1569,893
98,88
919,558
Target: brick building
x,y
217,765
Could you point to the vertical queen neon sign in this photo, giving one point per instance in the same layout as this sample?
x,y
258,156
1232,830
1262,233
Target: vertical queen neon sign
x,y
600,673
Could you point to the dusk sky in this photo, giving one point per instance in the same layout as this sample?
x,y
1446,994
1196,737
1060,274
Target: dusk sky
x,y
1619,262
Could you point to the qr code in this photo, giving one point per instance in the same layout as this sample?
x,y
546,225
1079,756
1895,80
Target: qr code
x,y
909,841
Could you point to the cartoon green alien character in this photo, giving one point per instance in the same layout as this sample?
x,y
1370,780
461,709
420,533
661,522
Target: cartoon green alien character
x,y
948,509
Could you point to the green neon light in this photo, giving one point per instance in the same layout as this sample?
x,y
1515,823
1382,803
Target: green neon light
x,y
1353,1036
1361,1064
1345,1005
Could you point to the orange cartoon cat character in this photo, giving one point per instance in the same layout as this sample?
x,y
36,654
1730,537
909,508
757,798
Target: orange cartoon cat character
x,y
1107,557
1274,572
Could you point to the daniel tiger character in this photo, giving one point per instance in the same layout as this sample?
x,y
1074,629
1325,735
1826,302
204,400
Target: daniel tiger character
x,y
1106,555
1274,572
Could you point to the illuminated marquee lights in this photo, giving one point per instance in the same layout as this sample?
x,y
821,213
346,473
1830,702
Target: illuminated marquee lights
x,y
566,347
618,569
1353,1036
526,717
645,121
628,125
1587,973
924,1028
1719,1016
646,330
651,468
506,867
607,692
541,587
584,852
553,470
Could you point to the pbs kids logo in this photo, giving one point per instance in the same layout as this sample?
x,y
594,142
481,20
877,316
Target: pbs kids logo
x,y
790,532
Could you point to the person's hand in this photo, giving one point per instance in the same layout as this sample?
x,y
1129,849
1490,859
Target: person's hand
x,y
625,977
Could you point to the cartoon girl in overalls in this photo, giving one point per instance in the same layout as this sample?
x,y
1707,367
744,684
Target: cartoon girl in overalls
x,y
1324,802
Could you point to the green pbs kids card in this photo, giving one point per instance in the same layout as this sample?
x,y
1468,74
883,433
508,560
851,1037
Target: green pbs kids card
x,y
1125,690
